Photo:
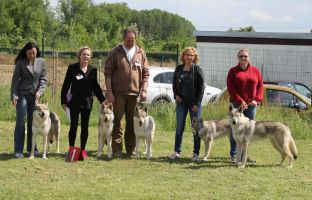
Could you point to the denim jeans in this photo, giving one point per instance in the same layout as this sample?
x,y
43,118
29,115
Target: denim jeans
x,y
251,114
24,107
181,112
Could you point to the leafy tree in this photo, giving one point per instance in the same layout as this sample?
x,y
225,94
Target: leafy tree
x,y
243,29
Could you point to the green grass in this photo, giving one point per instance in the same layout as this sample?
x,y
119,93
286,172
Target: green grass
x,y
158,178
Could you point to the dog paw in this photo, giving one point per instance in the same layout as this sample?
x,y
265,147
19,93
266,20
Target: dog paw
x,y
205,159
31,157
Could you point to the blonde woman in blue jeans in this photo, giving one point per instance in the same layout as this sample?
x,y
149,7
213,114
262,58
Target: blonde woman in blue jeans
x,y
188,89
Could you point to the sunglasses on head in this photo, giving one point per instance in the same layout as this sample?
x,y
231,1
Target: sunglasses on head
x,y
243,56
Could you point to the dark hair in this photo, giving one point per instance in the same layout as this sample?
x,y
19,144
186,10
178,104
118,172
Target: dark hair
x,y
22,53
130,29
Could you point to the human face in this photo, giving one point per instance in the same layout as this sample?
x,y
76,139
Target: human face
x,y
85,56
129,40
243,58
31,54
189,57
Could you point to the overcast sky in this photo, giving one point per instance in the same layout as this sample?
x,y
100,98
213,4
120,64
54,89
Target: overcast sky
x,y
220,15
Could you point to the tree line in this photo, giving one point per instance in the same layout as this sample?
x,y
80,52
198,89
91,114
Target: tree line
x,y
75,23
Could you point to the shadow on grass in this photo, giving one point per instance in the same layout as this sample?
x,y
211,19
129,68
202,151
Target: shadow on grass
x,y
212,163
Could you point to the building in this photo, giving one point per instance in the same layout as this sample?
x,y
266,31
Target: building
x,y
279,56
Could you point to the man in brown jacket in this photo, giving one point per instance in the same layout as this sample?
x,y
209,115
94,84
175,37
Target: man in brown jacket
x,y
126,77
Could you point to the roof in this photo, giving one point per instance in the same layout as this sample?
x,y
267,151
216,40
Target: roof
x,y
272,35
254,37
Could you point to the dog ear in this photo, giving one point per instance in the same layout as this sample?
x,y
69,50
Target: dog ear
x,y
240,109
145,109
231,107
194,120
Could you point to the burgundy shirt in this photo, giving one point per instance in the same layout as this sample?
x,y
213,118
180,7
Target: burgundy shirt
x,y
245,85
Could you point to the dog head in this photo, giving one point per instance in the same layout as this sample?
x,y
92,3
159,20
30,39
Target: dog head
x,y
41,111
140,115
106,112
196,126
235,114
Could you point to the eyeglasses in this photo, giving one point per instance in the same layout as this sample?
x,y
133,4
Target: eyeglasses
x,y
243,56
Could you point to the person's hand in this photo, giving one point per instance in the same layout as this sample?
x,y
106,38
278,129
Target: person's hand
x,y
253,103
143,95
178,99
110,97
244,105
195,108
14,102
64,106
37,97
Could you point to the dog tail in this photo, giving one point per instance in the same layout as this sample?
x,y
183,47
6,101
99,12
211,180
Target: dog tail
x,y
293,148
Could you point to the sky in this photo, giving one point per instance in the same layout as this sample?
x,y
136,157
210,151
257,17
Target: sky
x,y
221,15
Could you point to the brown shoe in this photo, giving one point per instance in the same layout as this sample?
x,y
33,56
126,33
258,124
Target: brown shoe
x,y
117,155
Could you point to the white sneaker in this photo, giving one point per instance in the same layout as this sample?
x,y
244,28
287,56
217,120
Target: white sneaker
x,y
19,155
174,156
195,157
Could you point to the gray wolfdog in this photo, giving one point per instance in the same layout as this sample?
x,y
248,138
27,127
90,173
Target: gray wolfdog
x,y
40,126
209,131
105,129
246,131
144,128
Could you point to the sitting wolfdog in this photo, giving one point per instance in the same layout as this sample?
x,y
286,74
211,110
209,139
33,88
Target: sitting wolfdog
x,y
246,131
210,130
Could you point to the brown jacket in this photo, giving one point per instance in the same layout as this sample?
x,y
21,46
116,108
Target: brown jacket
x,y
126,77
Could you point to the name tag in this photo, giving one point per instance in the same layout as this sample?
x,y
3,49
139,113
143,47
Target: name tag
x,y
80,76
137,64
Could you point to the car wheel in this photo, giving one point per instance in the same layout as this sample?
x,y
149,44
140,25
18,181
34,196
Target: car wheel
x,y
161,101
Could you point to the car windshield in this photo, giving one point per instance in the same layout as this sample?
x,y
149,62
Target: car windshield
x,y
302,89
165,77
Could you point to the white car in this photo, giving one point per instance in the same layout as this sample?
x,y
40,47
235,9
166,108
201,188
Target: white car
x,y
160,91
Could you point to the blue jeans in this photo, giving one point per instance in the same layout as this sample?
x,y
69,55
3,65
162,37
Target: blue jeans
x,y
181,112
25,106
251,114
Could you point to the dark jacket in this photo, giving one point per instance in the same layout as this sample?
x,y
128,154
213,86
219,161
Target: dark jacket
x,y
81,87
198,85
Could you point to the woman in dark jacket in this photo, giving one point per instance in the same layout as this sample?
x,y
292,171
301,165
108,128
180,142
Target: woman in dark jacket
x,y
77,94
188,89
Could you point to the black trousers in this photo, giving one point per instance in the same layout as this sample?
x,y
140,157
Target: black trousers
x,y
74,115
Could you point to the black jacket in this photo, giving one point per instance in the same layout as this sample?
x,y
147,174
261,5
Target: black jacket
x,y
198,84
81,87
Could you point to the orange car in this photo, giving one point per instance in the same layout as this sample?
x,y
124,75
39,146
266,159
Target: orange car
x,y
275,95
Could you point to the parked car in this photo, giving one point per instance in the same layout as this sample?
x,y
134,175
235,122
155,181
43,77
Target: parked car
x,y
276,95
160,87
299,87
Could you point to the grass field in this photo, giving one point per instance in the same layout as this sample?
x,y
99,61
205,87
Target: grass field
x,y
158,178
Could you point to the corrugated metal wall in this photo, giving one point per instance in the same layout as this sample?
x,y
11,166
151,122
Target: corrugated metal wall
x,y
276,62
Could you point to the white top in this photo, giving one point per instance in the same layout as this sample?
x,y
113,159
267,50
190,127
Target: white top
x,y
129,52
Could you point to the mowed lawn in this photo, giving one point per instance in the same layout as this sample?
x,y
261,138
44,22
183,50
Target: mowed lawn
x,y
158,178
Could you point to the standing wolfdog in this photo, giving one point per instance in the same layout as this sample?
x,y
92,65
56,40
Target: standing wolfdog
x,y
105,129
210,130
246,131
144,127
40,126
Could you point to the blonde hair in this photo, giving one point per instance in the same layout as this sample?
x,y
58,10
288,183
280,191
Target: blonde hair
x,y
187,50
82,49
243,50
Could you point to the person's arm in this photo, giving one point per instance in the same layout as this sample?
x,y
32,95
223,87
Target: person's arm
x,y
42,80
145,76
96,87
15,80
108,71
65,87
